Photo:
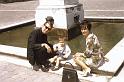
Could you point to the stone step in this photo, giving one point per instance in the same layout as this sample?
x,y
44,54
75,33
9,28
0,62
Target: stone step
x,y
13,51
22,53
22,62
93,70
112,67
115,56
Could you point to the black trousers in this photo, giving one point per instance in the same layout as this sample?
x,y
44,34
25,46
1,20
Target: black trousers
x,y
41,57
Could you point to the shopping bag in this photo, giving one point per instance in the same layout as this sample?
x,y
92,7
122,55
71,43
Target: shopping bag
x,y
69,74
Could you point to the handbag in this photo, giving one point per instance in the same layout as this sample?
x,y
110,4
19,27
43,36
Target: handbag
x,y
69,74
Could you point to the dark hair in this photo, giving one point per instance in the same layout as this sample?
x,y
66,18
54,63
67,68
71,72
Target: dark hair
x,y
50,19
86,23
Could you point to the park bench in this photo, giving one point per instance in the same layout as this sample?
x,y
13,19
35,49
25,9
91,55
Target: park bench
x,y
113,66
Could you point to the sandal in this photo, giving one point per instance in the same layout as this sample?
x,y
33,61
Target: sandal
x,y
87,72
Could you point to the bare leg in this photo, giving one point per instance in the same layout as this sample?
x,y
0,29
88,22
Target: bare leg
x,y
82,64
52,60
79,61
58,61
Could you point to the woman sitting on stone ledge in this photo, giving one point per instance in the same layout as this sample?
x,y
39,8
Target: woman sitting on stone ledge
x,y
93,56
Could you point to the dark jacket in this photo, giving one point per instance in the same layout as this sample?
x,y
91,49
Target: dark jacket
x,y
36,38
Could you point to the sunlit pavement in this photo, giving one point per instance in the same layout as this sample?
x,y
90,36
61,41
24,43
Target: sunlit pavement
x,y
16,13
14,69
12,13
14,73
103,9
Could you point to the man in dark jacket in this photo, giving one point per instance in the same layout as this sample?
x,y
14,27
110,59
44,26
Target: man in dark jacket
x,y
38,48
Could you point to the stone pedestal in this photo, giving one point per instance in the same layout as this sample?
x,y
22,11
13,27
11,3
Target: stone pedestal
x,y
66,13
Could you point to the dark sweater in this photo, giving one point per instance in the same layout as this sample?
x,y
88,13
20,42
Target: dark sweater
x,y
36,38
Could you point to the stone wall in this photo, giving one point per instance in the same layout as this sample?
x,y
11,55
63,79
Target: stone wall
x,y
10,1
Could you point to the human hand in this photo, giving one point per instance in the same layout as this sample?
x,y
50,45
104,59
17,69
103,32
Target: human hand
x,y
55,49
65,56
49,50
78,54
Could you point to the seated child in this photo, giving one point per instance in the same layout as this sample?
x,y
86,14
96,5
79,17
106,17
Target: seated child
x,y
62,50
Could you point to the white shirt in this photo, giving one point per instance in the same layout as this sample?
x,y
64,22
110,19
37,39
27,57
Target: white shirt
x,y
65,50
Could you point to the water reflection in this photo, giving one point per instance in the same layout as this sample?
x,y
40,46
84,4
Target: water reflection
x,y
108,33
16,37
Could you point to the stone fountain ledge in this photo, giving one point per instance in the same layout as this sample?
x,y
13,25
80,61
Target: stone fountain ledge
x,y
14,51
114,64
21,52
115,55
16,24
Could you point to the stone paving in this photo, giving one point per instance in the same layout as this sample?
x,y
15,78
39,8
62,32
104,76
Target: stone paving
x,y
12,13
14,73
103,9
14,69
17,12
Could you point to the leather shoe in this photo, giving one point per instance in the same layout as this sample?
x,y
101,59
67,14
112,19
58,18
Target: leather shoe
x,y
44,69
55,68
36,67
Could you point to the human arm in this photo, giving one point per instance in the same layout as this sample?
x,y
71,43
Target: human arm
x,y
48,47
93,46
35,40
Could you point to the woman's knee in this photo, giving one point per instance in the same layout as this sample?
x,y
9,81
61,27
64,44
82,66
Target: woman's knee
x,y
76,59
